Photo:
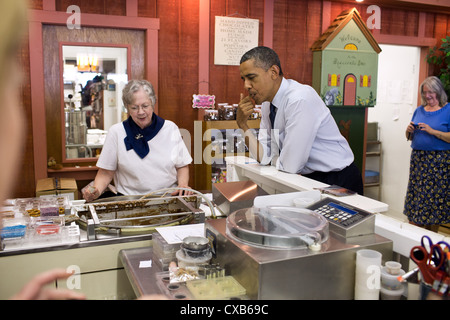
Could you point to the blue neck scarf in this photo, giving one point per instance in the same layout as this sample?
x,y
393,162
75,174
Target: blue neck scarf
x,y
138,138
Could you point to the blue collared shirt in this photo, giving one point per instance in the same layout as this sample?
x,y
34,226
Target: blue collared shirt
x,y
305,136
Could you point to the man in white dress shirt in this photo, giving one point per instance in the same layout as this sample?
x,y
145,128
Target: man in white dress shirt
x,y
297,132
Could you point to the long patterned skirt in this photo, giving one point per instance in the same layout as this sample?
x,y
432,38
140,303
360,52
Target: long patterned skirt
x,y
427,199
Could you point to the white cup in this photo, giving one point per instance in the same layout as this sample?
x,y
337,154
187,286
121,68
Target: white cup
x,y
367,274
393,267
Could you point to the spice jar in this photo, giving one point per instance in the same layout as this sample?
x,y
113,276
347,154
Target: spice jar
x,y
211,115
228,113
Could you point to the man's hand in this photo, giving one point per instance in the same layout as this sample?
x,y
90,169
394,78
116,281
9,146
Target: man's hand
x,y
245,109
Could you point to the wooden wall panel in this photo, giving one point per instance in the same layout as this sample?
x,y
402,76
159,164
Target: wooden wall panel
x,y
441,30
35,4
178,62
24,186
109,7
398,22
297,24
147,8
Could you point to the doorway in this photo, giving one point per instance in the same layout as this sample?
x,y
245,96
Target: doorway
x,y
397,92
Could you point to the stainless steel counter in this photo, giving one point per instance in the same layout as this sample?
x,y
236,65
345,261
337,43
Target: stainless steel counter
x,y
142,279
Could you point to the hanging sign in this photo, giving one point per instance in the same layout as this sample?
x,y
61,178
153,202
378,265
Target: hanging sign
x,y
233,38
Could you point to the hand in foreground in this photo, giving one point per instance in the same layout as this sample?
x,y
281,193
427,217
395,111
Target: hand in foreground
x,y
36,289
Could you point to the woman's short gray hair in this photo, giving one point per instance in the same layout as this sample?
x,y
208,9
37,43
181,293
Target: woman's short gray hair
x,y
436,86
135,85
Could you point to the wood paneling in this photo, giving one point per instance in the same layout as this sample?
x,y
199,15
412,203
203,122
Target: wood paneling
x,y
297,24
25,185
109,7
147,8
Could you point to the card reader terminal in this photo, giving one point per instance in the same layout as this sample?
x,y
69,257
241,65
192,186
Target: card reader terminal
x,y
344,219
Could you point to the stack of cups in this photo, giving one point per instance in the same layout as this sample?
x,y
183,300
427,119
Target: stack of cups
x,y
391,288
367,277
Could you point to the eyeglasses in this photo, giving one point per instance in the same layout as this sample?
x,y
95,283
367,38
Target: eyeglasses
x,y
144,107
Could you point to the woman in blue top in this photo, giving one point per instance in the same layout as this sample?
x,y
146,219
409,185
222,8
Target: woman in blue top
x,y
427,201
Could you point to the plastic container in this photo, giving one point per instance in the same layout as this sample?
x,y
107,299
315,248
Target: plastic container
x,y
71,233
387,294
47,228
290,227
391,288
367,279
372,176
48,206
390,281
163,252
393,267
363,292
13,232
303,202
217,288
13,228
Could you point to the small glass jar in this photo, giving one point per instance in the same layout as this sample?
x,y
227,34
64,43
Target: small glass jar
x,y
228,113
220,108
211,115
256,113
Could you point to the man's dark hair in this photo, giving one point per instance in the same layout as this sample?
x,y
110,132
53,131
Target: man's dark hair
x,y
264,58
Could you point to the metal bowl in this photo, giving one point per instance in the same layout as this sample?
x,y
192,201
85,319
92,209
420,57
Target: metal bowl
x,y
195,243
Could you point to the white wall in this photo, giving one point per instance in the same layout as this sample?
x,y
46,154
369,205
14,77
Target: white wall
x,y
398,73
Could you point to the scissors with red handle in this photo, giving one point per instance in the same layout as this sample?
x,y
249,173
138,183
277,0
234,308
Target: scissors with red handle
x,y
436,255
429,263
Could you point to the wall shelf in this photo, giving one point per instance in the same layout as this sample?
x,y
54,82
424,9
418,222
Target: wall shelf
x,y
213,166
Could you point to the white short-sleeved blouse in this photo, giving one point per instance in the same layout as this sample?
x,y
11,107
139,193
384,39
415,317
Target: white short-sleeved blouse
x,y
158,170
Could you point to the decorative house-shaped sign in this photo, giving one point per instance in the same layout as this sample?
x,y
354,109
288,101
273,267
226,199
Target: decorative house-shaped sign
x,y
345,62
345,68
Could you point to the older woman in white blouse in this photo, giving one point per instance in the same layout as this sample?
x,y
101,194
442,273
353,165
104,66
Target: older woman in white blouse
x,y
143,153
